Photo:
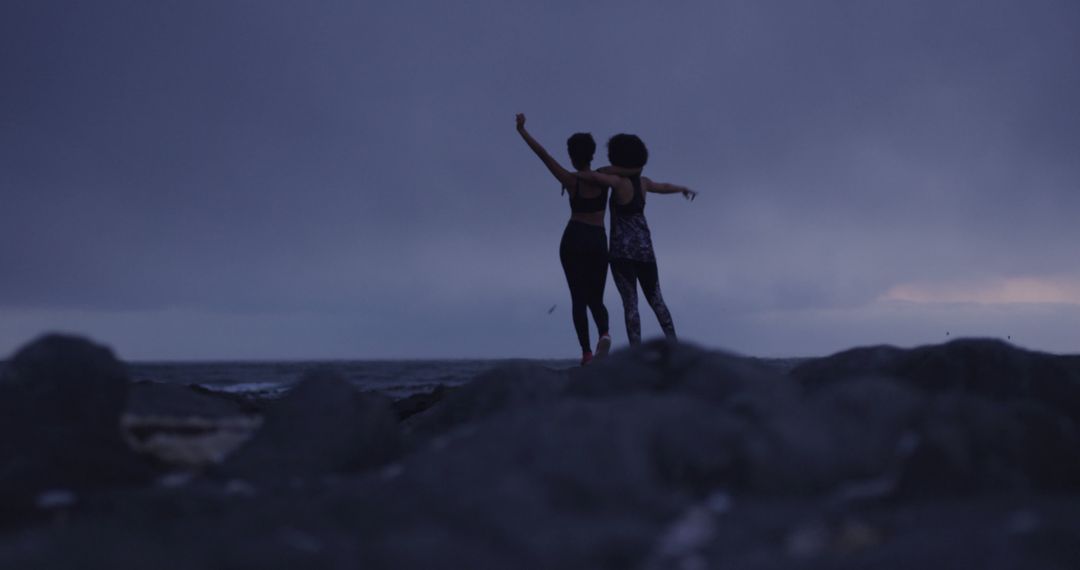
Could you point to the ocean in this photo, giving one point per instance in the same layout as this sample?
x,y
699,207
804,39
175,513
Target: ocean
x,y
394,378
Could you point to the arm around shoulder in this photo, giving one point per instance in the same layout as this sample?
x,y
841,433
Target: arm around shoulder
x,y
598,178
619,170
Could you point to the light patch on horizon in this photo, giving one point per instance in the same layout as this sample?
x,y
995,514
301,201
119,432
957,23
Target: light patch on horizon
x,y
1005,290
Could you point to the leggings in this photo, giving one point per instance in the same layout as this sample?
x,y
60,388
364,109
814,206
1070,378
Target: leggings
x,y
627,274
583,253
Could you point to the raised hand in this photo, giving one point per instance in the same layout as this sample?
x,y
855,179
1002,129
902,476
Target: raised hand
x,y
520,118
689,194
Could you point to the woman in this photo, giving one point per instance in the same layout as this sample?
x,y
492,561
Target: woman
x,y
632,258
583,250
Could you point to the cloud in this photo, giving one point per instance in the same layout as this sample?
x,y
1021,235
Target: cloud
x,y
206,162
1004,290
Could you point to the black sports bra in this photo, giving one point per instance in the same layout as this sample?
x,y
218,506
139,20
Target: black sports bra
x,y
636,205
579,205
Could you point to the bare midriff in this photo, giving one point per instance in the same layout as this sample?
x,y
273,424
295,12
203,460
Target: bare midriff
x,y
591,218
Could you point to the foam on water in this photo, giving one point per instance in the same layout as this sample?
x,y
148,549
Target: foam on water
x,y
262,389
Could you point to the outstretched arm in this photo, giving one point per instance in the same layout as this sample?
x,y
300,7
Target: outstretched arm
x,y
564,176
665,188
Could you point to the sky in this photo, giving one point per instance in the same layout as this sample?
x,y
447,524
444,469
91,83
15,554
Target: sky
x,y
188,180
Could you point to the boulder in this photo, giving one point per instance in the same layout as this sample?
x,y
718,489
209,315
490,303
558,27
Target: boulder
x,y
983,367
978,415
182,427
511,386
148,398
322,425
61,400
965,445
965,417
664,366
680,458
595,477
420,402
67,381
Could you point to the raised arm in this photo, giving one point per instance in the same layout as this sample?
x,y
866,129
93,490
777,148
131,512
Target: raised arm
x,y
564,176
665,188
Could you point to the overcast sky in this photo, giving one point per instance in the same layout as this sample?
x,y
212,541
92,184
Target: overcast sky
x,y
268,179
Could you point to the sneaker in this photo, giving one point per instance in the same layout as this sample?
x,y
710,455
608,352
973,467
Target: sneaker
x,y
586,357
603,345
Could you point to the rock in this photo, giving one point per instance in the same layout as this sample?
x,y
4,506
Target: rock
x,y
415,403
986,368
66,381
666,456
980,415
61,399
511,386
774,441
322,425
663,366
870,424
183,427
968,445
859,363
896,422
149,399
251,402
596,477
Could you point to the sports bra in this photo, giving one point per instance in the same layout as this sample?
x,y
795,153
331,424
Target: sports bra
x,y
636,205
580,205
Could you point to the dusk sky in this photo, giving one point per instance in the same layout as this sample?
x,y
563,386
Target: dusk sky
x,y
279,180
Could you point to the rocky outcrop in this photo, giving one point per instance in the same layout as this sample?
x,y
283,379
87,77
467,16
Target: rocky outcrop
x,y
413,404
182,427
67,381
61,400
983,368
663,456
507,387
322,425
669,367
987,415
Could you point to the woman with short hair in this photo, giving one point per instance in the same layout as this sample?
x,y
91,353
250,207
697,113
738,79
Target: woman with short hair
x,y
583,250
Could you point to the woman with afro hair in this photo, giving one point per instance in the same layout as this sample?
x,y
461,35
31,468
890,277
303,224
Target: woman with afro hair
x,y
631,251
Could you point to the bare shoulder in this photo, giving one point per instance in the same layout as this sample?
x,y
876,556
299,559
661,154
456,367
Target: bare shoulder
x,y
623,189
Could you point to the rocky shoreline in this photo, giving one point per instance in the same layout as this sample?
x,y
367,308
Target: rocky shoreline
x,y
962,455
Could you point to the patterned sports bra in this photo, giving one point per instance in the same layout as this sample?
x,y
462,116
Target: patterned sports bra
x,y
630,236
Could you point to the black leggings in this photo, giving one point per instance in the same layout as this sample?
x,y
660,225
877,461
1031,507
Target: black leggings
x,y
627,274
583,252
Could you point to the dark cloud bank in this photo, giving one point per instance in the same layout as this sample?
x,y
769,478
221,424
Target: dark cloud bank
x,y
252,179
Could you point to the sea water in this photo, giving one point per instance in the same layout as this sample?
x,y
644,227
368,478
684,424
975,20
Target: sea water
x,y
394,378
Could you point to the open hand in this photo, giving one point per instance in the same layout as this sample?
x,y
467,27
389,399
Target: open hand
x,y
689,194
520,118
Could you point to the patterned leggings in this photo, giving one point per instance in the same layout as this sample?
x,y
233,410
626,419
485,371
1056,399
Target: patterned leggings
x,y
627,274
